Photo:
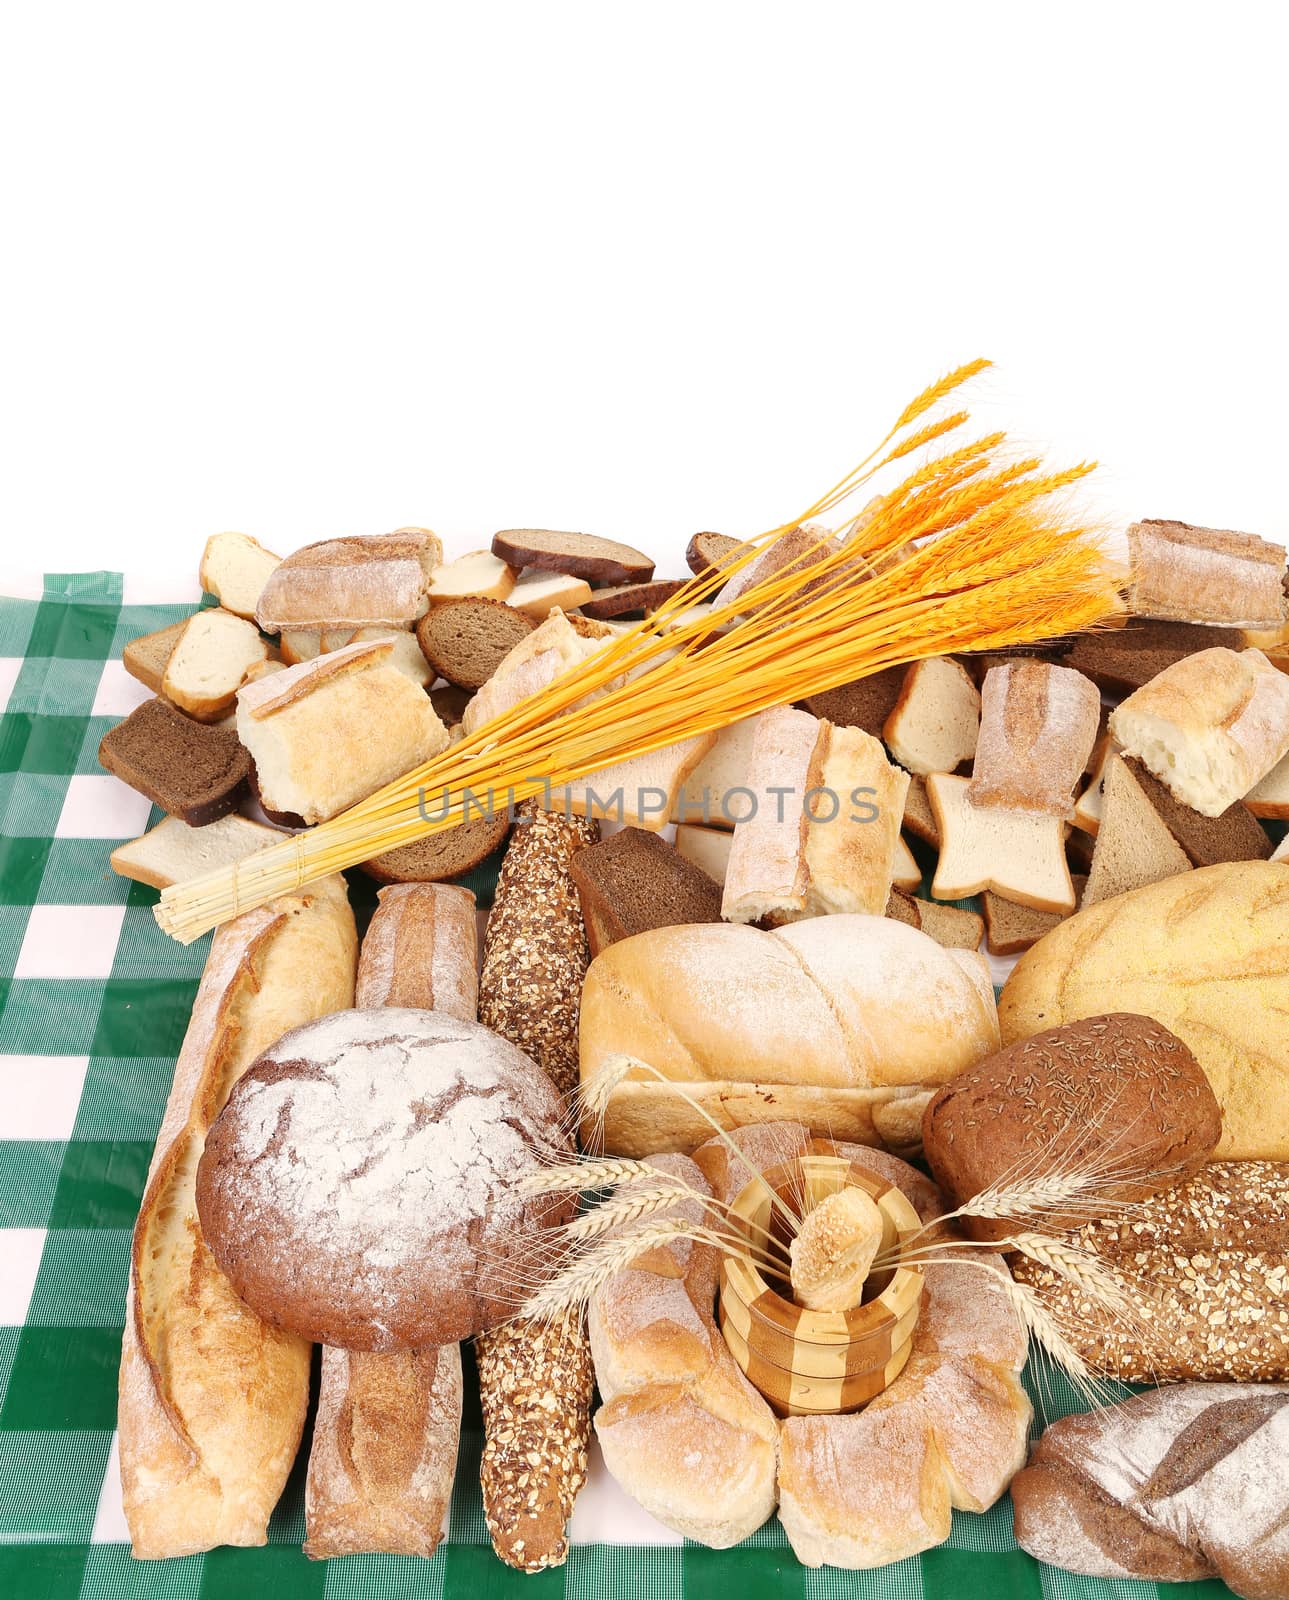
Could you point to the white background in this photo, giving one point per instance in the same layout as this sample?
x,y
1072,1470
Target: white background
x,y
635,270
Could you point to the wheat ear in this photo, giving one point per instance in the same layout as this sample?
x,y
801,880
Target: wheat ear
x,y
1080,1267
571,1177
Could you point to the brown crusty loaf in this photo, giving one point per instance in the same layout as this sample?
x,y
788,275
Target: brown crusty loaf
x,y
421,950
535,1379
534,951
384,1452
1189,574
192,770
584,555
1207,955
355,582
213,1399
1117,1093
467,639
1205,1268
1174,1486
633,881
360,1186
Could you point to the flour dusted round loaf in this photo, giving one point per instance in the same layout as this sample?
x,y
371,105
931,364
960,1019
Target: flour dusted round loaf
x,y
359,1187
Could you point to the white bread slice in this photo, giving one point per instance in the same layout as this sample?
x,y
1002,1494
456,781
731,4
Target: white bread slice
x,y
640,792
1134,846
1281,851
172,852
215,652
905,872
537,593
1087,808
697,612
1020,855
235,568
478,572
1210,727
703,800
1271,797
936,720
307,644
708,848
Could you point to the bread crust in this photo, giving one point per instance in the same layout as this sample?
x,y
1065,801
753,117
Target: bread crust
x,y
212,1399
352,583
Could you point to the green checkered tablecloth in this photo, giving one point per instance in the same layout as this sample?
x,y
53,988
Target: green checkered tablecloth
x,y
94,1001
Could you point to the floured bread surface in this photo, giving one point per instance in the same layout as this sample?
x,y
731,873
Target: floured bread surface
x,y
359,1187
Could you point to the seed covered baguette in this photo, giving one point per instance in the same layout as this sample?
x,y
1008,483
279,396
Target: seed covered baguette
x,y
536,1379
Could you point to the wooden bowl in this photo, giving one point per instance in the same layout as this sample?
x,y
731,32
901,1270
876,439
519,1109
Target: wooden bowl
x,y
808,1362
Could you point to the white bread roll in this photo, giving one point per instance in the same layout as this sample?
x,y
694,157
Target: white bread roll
x,y
212,1399
844,1023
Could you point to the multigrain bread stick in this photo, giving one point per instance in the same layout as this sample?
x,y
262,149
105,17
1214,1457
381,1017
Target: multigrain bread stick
x,y
388,1426
536,1379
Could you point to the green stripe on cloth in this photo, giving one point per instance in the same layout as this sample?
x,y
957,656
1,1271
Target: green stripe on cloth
x,y
71,1179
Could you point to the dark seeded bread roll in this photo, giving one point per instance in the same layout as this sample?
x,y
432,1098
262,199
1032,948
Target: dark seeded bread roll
x,y
1117,1093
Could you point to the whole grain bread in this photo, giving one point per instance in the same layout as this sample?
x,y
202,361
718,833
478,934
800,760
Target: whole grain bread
x,y
466,640
1121,660
192,770
584,555
1235,835
633,881
866,703
1118,1094
622,598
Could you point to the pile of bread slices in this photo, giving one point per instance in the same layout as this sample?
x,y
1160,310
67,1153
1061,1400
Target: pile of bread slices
x,y
757,936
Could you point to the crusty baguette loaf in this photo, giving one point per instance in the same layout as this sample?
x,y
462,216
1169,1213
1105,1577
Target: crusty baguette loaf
x,y
352,583
1174,1486
1210,728
844,1023
327,733
1207,955
212,1399
1182,573
385,1438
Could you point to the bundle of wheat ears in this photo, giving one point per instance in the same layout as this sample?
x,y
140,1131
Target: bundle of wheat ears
x,y
630,1219
977,549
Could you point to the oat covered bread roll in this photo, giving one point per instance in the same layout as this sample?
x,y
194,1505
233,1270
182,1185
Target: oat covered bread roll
x,y
1210,727
388,1425
845,1023
535,1379
1175,1485
1207,955
213,1399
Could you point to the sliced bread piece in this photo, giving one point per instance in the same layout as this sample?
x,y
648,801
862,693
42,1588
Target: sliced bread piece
x,y
1236,835
173,852
210,663
1271,797
919,819
406,655
935,722
866,703
622,598
466,640
449,703
540,655
1087,808
147,657
1134,847
307,644
710,796
584,555
478,572
192,770
536,594
1011,928
235,568
951,926
708,552
708,848
1019,854
641,791
634,881
905,872
1119,660
1281,851
355,582
444,855
901,907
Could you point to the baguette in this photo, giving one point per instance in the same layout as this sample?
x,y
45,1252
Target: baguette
x,y
212,1399
352,583
1181,573
1038,724
844,1023
385,1440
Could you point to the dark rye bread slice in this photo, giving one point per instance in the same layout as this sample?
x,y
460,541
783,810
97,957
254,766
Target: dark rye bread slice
x,y
1119,660
1011,929
449,703
706,552
466,640
441,856
866,703
582,555
1236,835
634,881
622,598
193,770
147,657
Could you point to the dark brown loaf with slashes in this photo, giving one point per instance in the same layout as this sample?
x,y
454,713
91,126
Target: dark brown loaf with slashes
x,y
1117,1093
361,1186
